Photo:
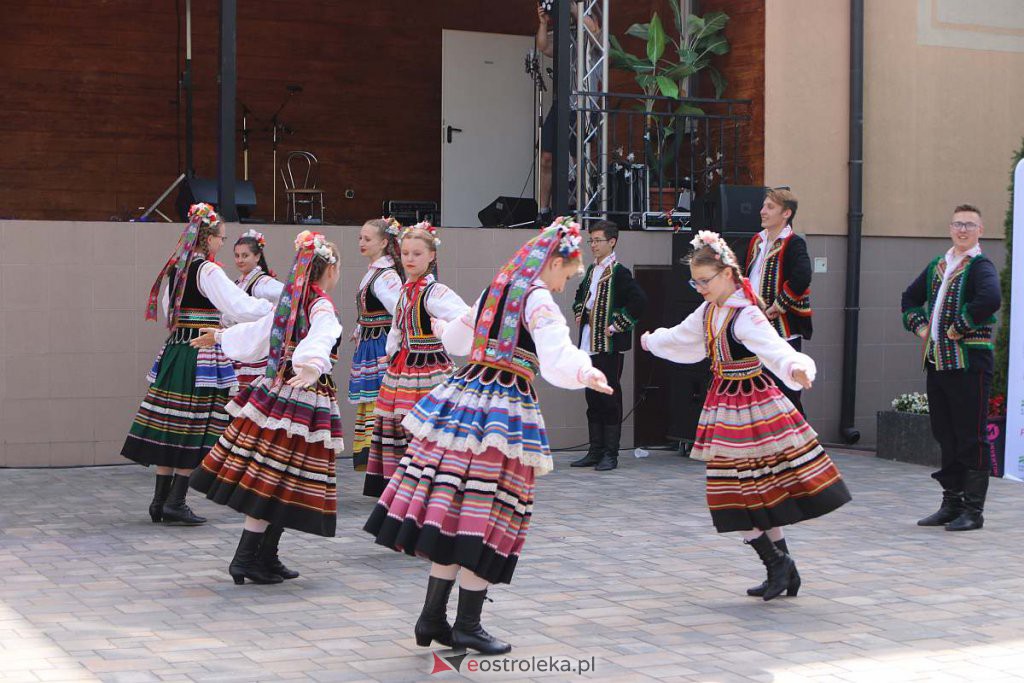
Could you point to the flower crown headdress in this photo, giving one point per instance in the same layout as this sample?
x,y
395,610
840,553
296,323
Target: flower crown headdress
x,y
393,228
423,225
256,235
570,239
715,242
561,238
318,243
176,268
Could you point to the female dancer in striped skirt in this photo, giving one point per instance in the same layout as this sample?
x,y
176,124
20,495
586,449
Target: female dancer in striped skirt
x,y
375,303
462,496
765,467
418,361
183,412
258,280
275,461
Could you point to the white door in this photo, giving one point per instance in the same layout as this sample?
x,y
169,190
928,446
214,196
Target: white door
x,y
487,123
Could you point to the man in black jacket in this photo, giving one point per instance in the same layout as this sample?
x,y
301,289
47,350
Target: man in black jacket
x,y
952,306
779,269
608,303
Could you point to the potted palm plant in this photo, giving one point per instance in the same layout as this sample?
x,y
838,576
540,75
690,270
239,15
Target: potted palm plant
x,y
670,60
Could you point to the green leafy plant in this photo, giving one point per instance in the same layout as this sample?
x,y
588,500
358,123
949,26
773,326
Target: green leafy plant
x,y
663,70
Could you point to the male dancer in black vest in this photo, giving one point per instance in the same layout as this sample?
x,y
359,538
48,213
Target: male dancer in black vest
x,y
952,306
608,303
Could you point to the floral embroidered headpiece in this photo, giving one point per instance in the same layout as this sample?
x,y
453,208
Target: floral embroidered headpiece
x,y
715,242
394,228
570,238
256,235
318,243
423,225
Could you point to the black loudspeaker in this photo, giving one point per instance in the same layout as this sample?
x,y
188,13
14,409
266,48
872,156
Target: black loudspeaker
x,y
507,211
729,208
197,189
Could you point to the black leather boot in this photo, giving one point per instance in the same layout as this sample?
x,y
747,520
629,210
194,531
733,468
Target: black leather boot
x,y
781,567
975,490
467,631
433,626
952,506
610,459
794,582
176,510
268,553
246,562
163,487
593,455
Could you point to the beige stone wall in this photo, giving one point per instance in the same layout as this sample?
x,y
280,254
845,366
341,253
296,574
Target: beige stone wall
x,y
943,109
74,347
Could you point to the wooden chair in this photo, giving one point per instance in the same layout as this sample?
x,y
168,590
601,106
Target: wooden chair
x,y
305,199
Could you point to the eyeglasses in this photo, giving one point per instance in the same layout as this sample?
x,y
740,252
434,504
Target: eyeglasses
x,y
961,226
703,284
596,240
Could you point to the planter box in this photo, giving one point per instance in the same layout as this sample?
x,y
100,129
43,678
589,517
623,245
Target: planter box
x,y
907,437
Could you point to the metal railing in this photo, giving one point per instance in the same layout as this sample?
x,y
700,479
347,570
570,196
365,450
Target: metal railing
x,y
659,154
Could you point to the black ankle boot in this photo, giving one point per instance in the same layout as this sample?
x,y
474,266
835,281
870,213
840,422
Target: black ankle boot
x,y
268,553
176,510
163,487
794,582
246,562
952,506
610,459
467,631
975,490
781,568
593,455
433,626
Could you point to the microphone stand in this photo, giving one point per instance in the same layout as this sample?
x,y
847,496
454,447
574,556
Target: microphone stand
x,y
533,69
245,140
278,127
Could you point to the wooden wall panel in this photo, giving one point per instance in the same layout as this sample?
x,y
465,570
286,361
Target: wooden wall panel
x,y
91,128
743,66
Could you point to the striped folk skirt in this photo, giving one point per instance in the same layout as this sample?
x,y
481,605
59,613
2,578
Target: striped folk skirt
x,y
276,460
410,377
765,467
248,373
463,494
369,365
182,415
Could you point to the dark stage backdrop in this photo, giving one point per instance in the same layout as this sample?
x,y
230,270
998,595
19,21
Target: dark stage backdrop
x,y
90,130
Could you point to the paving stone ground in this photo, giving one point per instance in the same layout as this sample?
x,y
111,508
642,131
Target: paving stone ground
x,y
622,569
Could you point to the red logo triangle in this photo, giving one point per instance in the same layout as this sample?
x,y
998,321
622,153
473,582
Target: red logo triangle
x,y
440,665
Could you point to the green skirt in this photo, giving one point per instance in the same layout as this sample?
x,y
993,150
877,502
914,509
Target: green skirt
x,y
178,422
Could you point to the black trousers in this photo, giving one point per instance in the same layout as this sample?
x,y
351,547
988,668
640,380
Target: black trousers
x,y
958,408
793,396
601,407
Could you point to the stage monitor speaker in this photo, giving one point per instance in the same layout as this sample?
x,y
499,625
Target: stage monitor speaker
x,y
409,212
730,208
508,211
197,189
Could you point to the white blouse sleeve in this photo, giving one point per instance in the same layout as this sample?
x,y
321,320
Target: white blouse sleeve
x,y
248,342
683,343
268,289
394,336
457,335
443,303
561,362
227,296
387,288
757,334
324,330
